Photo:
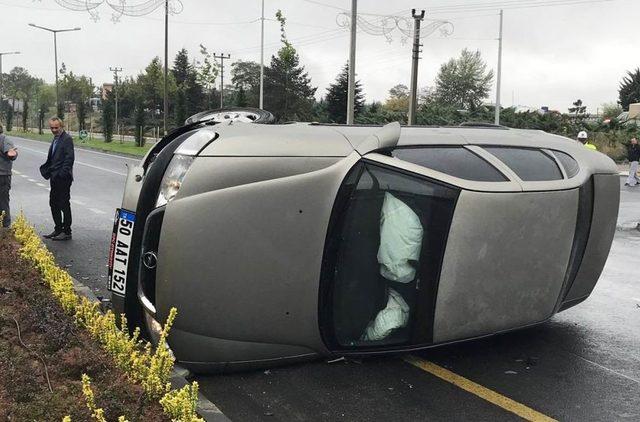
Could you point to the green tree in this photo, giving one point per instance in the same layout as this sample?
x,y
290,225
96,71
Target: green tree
x,y
578,110
611,110
288,90
464,82
25,89
77,90
189,93
337,97
629,91
108,116
245,76
139,121
45,99
398,100
151,83
206,74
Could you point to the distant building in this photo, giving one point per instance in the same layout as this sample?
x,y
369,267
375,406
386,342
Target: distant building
x,y
106,88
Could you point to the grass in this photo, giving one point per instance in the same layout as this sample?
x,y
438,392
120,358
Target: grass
x,y
116,146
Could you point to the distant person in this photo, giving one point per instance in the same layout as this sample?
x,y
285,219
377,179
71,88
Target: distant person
x,y
583,138
633,155
58,169
8,154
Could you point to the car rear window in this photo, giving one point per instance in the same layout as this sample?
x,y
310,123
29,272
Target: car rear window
x,y
454,161
570,165
531,165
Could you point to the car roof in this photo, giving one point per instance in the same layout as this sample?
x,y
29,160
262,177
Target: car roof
x,y
317,140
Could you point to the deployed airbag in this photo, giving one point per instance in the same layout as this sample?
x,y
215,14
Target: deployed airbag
x,y
400,240
394,315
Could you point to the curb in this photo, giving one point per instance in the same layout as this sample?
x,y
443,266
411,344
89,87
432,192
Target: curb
x,y
205,408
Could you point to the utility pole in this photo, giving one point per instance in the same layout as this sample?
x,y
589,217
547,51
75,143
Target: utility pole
x,y
351,93
222,57
497,119
55,51
115,71
262,58
6,53
166,65
413,94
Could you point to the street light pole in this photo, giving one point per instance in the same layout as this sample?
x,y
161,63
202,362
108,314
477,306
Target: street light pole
x,y
166,64
6,53
55,52
262,58
498,81
351,90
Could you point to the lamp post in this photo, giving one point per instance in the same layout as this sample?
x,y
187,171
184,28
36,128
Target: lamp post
x,y
6,53
55,50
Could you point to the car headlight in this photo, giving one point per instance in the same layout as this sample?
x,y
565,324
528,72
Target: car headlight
x,y
172,179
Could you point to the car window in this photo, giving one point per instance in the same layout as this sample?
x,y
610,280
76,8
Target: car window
x,y
384,253
455,161
570,165
529,164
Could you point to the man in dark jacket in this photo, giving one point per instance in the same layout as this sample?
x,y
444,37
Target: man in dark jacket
x,y
8,154
58,169
633,154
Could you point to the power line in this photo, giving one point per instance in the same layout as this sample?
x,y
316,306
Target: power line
x,y
326,5
515,4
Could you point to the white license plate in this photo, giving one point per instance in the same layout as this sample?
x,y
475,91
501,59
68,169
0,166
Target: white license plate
x,y
120,251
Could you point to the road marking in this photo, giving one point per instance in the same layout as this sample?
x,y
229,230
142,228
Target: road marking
x,y
635,298
75,201
106,154
24,175
41,185
491,396
16,172
31,180
81,163
97,211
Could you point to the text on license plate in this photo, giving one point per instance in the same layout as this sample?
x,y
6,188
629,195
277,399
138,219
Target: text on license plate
x,y
119,251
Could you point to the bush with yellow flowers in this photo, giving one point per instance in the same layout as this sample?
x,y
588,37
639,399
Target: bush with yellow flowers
x,y
144,366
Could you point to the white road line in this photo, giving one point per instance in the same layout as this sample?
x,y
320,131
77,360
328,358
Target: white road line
x,y
81,163
636,299
41,185
136,160
75,201
16,172
24,175
97,211
31,180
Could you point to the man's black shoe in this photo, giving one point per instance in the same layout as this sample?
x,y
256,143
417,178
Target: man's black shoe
x,y
62,236
52,234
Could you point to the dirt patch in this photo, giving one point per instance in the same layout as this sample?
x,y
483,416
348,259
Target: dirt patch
x,y
68,352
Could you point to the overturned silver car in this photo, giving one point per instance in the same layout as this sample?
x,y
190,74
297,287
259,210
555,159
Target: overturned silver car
x,y
280,243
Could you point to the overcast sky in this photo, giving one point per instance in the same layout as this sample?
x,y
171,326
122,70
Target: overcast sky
x,y
553,52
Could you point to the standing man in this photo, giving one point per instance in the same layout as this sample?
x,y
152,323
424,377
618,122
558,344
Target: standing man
x,y
8,154
58,169
583,139
633,154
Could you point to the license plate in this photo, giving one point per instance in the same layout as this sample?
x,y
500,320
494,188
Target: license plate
x,y
120,251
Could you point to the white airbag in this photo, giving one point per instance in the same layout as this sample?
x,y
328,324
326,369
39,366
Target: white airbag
x,y
400,240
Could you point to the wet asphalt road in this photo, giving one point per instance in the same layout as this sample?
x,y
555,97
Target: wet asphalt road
x,y
583,365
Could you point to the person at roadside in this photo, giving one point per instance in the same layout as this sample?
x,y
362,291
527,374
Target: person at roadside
x,y
583,138
58,169
8,153
633,155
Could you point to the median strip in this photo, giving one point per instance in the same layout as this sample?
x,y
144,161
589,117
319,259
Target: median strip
x,y
144,367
